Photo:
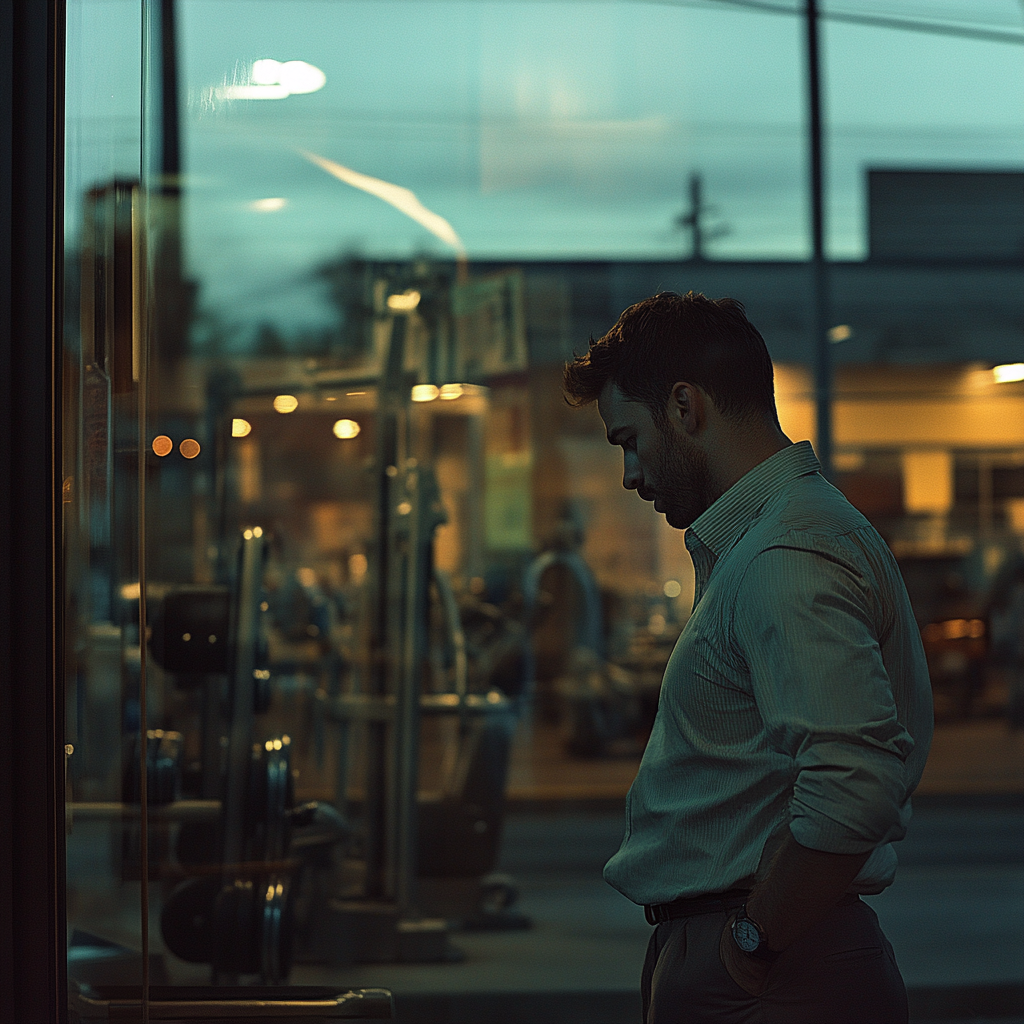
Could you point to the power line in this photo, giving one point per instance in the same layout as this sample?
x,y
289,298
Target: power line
x,y
870,20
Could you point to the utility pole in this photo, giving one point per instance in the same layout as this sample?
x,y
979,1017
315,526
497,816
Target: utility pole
x,y
819,270
694,219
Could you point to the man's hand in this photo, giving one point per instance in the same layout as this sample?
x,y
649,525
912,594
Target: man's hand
x,y
748,972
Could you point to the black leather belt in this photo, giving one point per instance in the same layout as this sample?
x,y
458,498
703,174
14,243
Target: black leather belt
x,y
731,899
690,906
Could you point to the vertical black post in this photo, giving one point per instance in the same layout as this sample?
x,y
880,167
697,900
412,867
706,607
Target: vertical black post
x,y
172,296
819,270
170,131
33,980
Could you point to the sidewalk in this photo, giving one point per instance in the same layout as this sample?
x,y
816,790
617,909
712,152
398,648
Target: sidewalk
x,y
955,915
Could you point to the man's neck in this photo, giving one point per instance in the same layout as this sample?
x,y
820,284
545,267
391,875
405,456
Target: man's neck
x,y
739,449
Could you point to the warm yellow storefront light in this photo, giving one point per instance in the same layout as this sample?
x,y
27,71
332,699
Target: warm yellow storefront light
x,y
404,303
450,391
345,429
286,403
240,428
425,392
1008,372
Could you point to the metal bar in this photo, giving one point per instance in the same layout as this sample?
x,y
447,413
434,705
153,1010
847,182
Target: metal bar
x,y
357,1004
379,776
140,350
819,270
243,648
407,721
180,810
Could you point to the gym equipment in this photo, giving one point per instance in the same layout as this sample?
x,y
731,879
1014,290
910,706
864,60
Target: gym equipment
x,y
242,924
163,768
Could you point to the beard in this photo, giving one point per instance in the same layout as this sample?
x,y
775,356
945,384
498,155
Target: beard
x,y
684,489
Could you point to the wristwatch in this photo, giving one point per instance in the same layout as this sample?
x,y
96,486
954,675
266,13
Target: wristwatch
x,y
747,934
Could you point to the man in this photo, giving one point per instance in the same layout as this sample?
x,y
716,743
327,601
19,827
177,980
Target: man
x,y
795,713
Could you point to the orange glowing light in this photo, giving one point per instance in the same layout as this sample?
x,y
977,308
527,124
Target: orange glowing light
x,y
189,448
162,445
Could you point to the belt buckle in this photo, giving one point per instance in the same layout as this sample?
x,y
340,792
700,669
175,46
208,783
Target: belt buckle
x,y
652,915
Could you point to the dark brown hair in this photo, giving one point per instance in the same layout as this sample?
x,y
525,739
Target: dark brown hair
x,y
671,337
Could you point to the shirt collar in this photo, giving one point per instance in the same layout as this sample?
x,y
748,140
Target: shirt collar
x,y
727,519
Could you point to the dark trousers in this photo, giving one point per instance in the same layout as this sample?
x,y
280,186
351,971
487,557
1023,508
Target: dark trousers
x,y
841,972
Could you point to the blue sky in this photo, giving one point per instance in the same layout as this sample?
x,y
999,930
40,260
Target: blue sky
x,y
539,129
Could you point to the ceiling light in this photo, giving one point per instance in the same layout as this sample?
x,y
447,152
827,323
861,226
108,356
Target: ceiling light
x,y
286,403
425,392
1008,372
404,303
240,428
345,429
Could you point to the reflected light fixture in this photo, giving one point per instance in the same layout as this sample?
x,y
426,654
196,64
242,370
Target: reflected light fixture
x,y
240,428
286,403
841,332
269,205
672,588
296,76
425,392
189,448
1008,372
345,429
275,80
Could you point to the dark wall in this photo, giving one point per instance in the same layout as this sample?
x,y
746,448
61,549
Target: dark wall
x,y
32,928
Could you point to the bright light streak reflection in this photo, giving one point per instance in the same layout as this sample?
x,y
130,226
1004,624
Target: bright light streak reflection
x,y
402,199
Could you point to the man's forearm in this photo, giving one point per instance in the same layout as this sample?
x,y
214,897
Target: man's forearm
x,y
801,886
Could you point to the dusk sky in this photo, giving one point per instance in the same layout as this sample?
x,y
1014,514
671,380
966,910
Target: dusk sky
x,y
538,129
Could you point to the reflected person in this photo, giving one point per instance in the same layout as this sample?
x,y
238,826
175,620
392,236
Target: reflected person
x,y
795,713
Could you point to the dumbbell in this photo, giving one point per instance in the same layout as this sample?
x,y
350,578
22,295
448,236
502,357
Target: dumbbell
x,y
243,926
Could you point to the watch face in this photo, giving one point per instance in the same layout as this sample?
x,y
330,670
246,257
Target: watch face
x,y
746,935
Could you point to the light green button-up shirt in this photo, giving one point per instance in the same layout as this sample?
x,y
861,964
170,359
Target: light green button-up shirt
x,y
797,695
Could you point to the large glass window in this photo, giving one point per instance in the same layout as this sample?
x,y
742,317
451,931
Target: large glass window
x,y
359,616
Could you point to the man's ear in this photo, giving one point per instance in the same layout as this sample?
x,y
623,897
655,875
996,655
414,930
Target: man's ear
x,y
686,406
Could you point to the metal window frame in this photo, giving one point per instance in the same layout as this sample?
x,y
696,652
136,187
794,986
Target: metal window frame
x,y
33,981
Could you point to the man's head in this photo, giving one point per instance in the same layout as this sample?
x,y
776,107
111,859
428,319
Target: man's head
x,y
685,385
669,338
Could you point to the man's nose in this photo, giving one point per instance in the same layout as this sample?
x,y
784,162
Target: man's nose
x,y
631,475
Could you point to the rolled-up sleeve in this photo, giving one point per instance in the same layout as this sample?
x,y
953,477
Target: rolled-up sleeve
x,y
805,626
